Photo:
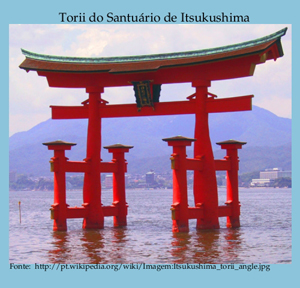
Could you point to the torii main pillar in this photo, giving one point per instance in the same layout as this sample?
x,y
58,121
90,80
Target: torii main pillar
x,y
205,182
92,179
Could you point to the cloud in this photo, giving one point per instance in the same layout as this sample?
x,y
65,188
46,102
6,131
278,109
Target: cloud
x,y
30,95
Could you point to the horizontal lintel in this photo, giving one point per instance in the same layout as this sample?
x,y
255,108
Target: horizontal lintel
x,y
76,166
241,103
110,210
124,110
70,112
224,210
232,104
195,213
76,212
108,167
194,164
222,165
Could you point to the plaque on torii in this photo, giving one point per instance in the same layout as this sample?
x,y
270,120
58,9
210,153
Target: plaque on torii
x,y
199,68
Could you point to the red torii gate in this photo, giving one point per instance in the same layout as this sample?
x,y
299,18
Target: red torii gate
x,y
150,71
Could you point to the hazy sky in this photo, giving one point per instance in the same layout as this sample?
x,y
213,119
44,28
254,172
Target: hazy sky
x,y
30,96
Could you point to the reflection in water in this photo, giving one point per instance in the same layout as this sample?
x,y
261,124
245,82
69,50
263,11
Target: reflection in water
x,y
180,247
61,249
93,243
96,246
113,245
233,245
119,235
202,247
103,247
119,249
207,246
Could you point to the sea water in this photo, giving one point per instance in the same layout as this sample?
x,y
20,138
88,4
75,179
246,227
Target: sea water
x,y
265,235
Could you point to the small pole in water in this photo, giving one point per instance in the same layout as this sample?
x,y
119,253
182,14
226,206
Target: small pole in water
x,y
20,210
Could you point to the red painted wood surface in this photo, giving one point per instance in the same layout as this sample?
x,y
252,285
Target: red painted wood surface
x,y
232,104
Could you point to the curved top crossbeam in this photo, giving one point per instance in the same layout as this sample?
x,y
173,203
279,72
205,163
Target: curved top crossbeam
x,y
210,64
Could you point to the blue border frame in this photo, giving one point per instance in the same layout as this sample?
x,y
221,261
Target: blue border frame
x,y
33,11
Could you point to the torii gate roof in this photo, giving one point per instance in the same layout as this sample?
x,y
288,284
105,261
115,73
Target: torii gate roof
x,y
227,62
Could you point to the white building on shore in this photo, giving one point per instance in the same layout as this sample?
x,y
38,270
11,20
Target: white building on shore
x,y
267,177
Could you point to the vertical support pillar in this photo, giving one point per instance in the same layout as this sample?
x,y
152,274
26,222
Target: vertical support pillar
x,y
205,182
119,194
180,193
232,200
92,181
59,207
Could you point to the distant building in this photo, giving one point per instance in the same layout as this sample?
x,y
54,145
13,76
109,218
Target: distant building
x,y
262,183
108,181
274,174
150,178
267,177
